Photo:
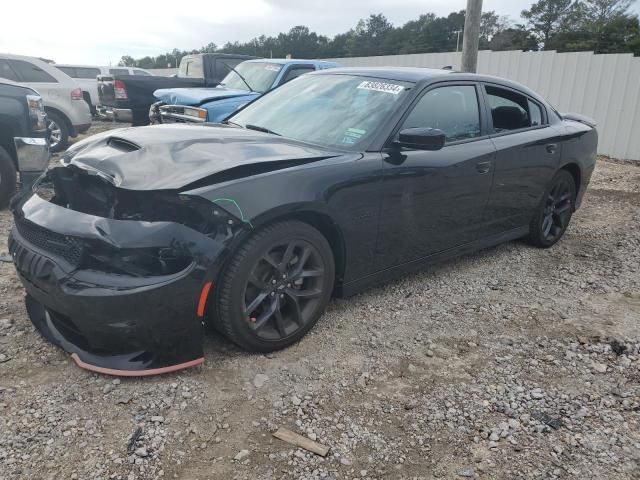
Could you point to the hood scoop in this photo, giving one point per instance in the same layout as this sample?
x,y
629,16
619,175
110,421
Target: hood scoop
x,y
122,144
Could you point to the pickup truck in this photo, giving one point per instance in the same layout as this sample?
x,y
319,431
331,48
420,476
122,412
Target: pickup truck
x,y
24,147
243,84
127,98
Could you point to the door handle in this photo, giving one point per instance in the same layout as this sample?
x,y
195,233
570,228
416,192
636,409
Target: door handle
x,y
551,148
483,167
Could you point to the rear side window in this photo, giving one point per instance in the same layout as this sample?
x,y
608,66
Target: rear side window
x,y
28,72
295,72
118,71
511,110
535,114
7,72
191,67
71,71
142,73
86,72
452,109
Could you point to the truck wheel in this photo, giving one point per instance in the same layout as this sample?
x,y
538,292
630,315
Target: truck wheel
x,y
58,132
7,178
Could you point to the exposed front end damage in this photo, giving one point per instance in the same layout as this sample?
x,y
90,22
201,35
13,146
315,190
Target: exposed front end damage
x,y
115,276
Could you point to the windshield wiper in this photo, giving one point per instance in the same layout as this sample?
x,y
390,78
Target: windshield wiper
x,y
238,73
258,128
229,122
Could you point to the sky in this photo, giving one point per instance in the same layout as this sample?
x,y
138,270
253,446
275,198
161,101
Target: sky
x,y
99,33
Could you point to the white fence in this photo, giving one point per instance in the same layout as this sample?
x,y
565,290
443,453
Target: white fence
x,y
604,87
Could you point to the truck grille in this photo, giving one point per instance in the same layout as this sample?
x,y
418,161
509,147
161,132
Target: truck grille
x,y
176,114
64,246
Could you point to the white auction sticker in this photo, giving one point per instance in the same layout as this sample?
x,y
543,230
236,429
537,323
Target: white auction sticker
x,y
381,87
273,68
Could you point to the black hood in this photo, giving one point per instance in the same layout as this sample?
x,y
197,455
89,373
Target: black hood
x,y
174,156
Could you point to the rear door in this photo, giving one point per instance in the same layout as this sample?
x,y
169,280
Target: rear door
x,y
435,200
41,81
528,152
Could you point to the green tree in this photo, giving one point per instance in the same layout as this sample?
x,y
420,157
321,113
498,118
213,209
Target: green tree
x,y
549,17
491,24
609,23
513,38
127,61
602,26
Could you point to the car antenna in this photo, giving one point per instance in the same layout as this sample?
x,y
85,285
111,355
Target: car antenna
x,y
241,77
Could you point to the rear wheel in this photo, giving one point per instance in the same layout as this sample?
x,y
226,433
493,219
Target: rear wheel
x,y
554,212
7,178
276,287
58,132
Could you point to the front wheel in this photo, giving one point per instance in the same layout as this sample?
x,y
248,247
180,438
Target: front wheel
x,y
554,212
275,287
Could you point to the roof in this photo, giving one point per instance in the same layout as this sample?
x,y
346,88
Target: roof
x,y
287,61
77,65
408,74
425,75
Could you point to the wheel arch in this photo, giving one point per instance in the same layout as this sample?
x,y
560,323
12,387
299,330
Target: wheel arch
x,y
576,173
321,220
62,115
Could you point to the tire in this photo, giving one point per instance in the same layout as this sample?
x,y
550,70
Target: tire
x,y
58,131
554,211
8,178
266,305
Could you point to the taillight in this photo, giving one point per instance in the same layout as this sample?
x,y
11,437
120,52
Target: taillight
x,y
76,94
119,90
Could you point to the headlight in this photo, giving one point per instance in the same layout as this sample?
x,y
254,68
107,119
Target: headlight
x,y
196,112
37,114
139,262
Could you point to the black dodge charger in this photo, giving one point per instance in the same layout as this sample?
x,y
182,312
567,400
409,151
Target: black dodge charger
x,y
335,181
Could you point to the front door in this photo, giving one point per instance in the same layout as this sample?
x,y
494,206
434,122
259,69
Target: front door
x,y
435,200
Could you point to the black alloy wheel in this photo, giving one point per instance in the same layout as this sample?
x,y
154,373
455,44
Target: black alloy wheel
x,y
283,289
554,214
276,286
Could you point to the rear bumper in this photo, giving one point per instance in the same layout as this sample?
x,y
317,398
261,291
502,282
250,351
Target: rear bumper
x,y
115,114
32,153
586,178
33,157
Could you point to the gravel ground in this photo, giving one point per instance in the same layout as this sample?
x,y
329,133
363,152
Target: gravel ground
x,y
509,363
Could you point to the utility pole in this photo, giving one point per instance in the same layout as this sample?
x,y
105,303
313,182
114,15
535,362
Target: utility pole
x,y
471,37
458,32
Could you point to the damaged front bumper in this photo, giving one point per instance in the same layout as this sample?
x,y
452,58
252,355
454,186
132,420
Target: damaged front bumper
x,y
112,317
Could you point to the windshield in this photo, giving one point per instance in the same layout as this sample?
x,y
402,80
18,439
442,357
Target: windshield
x,y
259,76
332,110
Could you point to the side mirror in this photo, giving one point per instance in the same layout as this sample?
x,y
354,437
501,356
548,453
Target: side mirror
x,y
421,138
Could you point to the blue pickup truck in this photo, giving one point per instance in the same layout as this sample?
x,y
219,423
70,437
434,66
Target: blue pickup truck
x,y
246,82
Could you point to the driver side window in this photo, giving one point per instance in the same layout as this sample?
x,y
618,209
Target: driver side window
x,y
452,109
